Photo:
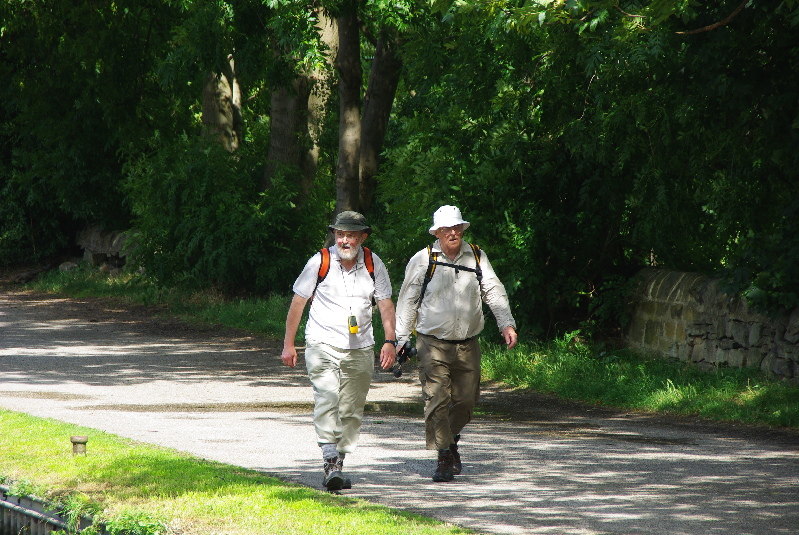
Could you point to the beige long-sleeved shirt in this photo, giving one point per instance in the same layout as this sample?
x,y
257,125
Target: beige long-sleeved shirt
x,y
452,305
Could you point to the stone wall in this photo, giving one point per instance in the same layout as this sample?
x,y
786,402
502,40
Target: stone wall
x,y
103,247
686,316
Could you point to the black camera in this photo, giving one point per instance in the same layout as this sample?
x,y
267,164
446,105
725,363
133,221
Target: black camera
x,y
403,354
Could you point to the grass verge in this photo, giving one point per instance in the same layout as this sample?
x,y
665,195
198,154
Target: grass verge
x,y
147,490
572,369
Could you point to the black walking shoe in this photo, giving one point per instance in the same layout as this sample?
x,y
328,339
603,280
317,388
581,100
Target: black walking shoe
x,y
457,466
444,467
334,479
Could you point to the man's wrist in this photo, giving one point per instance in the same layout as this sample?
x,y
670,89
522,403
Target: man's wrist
x,y
392,342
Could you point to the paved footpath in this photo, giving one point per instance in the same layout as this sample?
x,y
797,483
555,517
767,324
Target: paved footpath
x,y
226,397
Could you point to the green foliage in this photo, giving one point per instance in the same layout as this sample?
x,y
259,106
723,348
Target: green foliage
x,y
585,150
77,88
200,220
583,139
136,523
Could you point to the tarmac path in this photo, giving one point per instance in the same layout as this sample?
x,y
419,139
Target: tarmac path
x,y
546,467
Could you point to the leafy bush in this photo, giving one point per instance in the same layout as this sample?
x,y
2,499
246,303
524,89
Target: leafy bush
x,y
201,220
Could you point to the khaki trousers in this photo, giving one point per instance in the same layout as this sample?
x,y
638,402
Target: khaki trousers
x,y
450,376
341,380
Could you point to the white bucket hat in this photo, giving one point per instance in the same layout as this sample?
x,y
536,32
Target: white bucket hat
x,y
447,216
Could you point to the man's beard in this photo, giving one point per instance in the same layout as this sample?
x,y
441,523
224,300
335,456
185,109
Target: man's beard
x,y
347,254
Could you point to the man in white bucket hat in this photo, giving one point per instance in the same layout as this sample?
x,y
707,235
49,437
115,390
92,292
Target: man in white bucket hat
x,y
442,300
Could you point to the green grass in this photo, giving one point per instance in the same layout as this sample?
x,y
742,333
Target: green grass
x,y
145,489
571,369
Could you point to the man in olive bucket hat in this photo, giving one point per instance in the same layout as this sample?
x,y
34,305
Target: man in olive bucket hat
x,y
442,300
344,281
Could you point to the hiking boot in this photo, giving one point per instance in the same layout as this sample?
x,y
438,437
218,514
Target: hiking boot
x,y
340,467
444,467
334,479
457,466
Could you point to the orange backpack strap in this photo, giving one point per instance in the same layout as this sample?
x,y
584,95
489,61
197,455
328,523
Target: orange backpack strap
x,y
370,267
324,267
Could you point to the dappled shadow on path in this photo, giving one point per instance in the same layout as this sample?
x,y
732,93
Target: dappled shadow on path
x,y
571,478
96,344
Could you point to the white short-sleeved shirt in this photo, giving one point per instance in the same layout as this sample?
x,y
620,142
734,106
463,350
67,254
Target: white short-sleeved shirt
x,y
342,293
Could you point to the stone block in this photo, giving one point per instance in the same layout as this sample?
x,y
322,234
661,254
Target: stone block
x,y
792,327
668,282
755,330
649,308
654,329
735,358
739,331
698,350
679,333
696,329
68,266
684,351
783,368
752,356
93,259
766,362
721,327
636,330
669,329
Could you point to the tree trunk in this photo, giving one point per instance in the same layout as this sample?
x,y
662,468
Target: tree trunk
x,y
383,80
288,108
321,83
222,107
348,64
297,117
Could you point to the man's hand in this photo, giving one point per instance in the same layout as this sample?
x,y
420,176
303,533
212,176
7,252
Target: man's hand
x,y
509,334
388,354
289,356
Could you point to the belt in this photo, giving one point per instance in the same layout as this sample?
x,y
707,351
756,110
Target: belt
x,y
449,341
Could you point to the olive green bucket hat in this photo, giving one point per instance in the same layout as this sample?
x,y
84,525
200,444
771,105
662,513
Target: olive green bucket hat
x,y
350,221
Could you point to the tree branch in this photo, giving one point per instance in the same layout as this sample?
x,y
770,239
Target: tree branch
x,y
717,24
628,14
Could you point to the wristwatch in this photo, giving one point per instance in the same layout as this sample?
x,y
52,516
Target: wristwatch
x,y
392,342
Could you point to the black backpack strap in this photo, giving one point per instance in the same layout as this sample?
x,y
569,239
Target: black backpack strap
x,y
432,262
477,251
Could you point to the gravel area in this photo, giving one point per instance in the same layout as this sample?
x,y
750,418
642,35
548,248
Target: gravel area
x,y
532,464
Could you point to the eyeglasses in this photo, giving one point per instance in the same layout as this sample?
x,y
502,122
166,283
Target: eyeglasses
x,y
457,229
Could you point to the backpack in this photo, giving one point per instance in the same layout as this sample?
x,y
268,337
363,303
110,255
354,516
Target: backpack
x,y
324,267
433,262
